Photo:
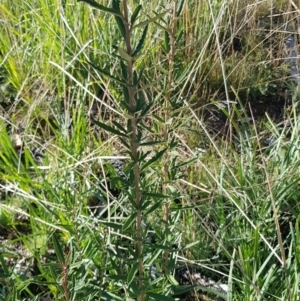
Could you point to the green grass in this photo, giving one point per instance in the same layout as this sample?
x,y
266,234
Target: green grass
x,y
231,211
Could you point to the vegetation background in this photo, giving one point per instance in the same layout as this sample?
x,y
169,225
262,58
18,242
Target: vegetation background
x,y
138,138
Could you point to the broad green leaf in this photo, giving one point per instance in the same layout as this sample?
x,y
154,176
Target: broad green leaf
x,y
141,43
58,250
96,5
108,128
155,158
135,14
124,54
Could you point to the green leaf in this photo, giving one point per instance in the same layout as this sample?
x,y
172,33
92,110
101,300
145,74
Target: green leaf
x,y
126,98
185,163
113,225
155,195
155,158
119,18
58,250
159,297
108,128
167,41
129,222
135,14
132,273
180,35
157,17
118,125
135,78
3,264
124,142
124,69
178,290
190,245
156,117
153,208
151,143
172,280
159,67
96,5
141,43
180,7
124,54
107,74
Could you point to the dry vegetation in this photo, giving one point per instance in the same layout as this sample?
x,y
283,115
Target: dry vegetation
x,y
118,162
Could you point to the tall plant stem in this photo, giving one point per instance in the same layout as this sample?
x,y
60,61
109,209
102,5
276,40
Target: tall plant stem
x,y
134,149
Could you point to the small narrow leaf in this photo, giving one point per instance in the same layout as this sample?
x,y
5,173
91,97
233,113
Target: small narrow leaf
x,y
155,195
108,128
124,143
180,35
113,225
151,143
141,43
180,7
119,18
154,159
135,78
185,163
124,69
160,68
121,26
127,224
132,273
167,41
118,125
151,20
154,207
124,54
106,73
96,5
58,250
135,14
